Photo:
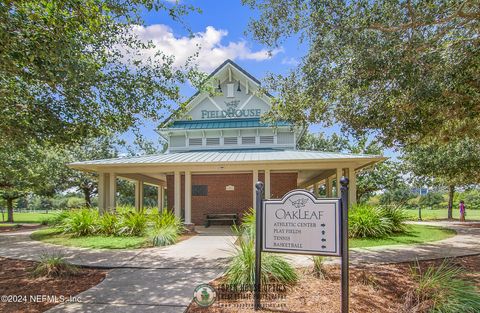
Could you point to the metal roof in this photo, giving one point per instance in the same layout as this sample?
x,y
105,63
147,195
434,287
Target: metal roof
x,y
230,156
225,123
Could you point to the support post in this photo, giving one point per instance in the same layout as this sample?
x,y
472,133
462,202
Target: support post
x,y
328,187
101,192
177,195
267,185
258,244
338,177
352,178
344,244
112,193
188,197
315,189
160,193
138,195
254,182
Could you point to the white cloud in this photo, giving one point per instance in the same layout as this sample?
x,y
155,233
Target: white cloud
x,y
290,61
212,52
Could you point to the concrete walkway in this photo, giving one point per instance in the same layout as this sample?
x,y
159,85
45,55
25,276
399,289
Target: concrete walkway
x,y
163,279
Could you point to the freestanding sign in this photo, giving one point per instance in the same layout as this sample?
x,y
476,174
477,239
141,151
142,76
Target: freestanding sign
x,y
300,223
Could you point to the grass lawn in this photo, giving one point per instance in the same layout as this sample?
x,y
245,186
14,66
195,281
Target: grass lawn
x,y
442,214
415,234
20,218
54,236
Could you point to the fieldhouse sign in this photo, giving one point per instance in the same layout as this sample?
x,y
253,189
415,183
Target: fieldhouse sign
x,y
300,223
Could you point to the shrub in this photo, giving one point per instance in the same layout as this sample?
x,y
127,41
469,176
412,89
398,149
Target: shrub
x,y
133,223
248,225
396,196
397,217
441,289
367,221
241,269
166,228
108,224
57,219
165,235
81,222
53,265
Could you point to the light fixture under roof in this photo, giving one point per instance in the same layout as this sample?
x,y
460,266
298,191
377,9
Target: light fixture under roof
x,y
238,89
219,88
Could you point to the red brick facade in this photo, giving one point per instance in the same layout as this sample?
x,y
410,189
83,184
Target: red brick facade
x,y
220,200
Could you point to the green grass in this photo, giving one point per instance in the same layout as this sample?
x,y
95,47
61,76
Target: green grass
x,y
472,215
55,236
20,218
415,234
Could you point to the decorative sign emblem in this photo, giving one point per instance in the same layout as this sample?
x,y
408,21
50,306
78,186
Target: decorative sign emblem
x,y
229,188
232,111
204,295
301,223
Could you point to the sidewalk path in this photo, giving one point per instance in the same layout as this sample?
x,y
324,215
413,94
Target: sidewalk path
x,y
163,279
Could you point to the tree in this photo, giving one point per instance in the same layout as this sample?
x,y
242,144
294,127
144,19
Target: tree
x,y
449,164
407,71
32,169
385,175
71,70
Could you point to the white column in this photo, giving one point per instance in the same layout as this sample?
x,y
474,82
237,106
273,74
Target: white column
x,y
160,197
267,185
339,175
101,192
352,186
112,192
177,194
138,195
255,180
328,187
315,189
188,197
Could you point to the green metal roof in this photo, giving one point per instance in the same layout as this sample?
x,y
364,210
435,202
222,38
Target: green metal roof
x,y
225,123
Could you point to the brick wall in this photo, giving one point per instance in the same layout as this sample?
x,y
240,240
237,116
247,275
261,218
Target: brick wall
x,y
220,200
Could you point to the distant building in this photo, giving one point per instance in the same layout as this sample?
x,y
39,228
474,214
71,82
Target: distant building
x,y
219,148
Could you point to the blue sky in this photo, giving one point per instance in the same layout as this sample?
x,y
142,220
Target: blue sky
x,y
220,32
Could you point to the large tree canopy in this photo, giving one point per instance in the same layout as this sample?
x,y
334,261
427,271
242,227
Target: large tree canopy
x,y
404,70
72,69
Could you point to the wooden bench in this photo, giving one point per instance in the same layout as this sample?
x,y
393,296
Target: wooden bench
x,y
217,217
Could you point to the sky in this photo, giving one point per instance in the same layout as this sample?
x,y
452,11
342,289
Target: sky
x,y
221,33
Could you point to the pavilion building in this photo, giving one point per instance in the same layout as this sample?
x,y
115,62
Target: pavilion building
x,y
219,148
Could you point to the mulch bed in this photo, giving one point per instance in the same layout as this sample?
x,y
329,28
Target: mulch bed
x,y
16,282
379,288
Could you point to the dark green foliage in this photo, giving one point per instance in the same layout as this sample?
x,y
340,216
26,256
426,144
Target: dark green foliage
x,y
132,223
108,224
431,200
396,196
82,222
365,221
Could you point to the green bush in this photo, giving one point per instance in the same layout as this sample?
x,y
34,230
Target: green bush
x,y
397,217
396,196
368,221
133,223
57,219
241,268
471,198
53,265
81,222
108,224
166,228
441,289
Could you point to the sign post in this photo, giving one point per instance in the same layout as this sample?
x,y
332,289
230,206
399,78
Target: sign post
x,y
302,224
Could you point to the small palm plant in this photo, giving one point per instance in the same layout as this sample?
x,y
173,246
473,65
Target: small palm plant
x,y
166,228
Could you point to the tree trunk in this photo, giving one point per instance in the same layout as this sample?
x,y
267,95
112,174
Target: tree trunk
x,y
87,196
451,192
10,210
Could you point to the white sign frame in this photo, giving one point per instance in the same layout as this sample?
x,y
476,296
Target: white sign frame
x,y
335,204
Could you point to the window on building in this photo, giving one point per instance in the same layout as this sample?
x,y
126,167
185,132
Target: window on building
x,y
230,140
266,139
199,190
213,141
248,140
194,141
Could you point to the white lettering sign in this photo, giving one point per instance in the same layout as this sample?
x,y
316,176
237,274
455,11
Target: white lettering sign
x,y
300,223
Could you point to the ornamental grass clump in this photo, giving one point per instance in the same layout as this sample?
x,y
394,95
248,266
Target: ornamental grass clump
x,y
442,289
241,268
54,265
108,224
167,228
397,217
132,223
365,221
82,222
